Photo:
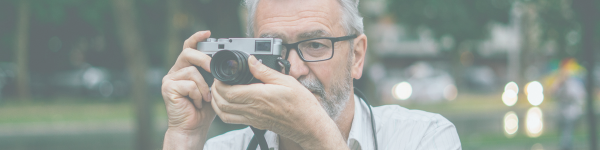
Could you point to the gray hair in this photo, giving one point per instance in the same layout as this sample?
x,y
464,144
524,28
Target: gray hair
x,y
352,21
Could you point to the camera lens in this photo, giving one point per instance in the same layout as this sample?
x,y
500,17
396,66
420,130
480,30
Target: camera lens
x,y
231,67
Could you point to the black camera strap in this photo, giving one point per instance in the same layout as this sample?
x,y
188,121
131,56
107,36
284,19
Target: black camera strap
x,y
364,98
258,139
285,64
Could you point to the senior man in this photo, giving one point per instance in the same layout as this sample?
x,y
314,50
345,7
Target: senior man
x,y
314,107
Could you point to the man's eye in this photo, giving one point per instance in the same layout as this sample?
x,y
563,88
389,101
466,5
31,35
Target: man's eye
x,y
316,45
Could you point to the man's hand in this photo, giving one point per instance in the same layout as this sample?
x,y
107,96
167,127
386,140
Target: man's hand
x,y
187,98
281,105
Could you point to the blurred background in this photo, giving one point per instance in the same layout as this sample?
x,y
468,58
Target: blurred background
x,y
510,74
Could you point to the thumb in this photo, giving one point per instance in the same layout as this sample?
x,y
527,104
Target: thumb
x,y
266,74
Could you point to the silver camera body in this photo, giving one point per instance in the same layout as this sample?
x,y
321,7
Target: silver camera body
x,y
252,46
229,62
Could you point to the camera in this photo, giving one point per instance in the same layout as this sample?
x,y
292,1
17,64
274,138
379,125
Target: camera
x,y
229,62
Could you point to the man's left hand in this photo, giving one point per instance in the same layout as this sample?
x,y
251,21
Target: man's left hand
x,y
280,104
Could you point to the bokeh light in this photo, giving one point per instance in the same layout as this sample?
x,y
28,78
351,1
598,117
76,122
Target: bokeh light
x,y
402,90
509,97
525,88
450,92
511,124
512,86
534,122
534,87
535,99
535,93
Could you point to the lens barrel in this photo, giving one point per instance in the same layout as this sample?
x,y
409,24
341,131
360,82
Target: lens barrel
x,y
231,67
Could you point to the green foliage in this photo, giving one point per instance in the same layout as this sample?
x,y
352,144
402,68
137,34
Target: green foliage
x,y
50,10
94,11
55,11
463,19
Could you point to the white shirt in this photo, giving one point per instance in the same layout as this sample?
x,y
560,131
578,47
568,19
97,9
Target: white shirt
x,y
397,129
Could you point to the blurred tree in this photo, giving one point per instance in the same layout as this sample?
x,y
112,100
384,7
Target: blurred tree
x,y
222,17
465,21
176,21
53,12
462,19
587,12
531,36
22,50
131,41
558,20
181,13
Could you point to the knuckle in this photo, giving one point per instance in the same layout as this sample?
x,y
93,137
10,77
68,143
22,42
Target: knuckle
x,y
166,85
181,55
173,98
222,107
190,69
185,52
230,94
165,79
235,96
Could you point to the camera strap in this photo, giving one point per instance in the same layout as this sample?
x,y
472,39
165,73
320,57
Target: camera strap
x,y
259,135
362,96
258,139
285,64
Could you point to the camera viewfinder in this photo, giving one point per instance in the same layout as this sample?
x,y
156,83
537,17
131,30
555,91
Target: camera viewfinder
x,y
263,46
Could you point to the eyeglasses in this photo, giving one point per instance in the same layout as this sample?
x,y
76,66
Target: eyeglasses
x,y
317,49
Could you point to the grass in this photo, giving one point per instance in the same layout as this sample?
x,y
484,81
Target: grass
x,y
70,110
477,118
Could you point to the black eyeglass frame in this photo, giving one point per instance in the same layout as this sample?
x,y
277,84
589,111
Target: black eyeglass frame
x,y
332,39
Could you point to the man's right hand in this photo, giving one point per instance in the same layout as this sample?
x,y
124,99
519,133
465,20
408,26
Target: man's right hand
x,y
187,98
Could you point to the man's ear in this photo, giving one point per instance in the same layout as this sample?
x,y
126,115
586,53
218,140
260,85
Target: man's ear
x,y
360,50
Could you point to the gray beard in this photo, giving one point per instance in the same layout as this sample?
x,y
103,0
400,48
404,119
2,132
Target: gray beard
x,y
334,99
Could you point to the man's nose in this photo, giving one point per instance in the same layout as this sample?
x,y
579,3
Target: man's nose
x,y
299,67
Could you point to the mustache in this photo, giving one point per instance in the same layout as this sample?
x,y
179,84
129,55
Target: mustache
x,y
313,84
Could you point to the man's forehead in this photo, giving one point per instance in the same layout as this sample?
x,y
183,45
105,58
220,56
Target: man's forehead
x,y
296,19
302,35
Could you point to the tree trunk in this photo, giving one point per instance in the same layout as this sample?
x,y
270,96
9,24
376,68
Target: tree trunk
x,y
176,20
131,42
22,51
530,37
227,24
588,16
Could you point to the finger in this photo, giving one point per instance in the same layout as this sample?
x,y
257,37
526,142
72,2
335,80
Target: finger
x,y
266,74
193,40
239,94
227,107
191,73
191,57
228,117
182,91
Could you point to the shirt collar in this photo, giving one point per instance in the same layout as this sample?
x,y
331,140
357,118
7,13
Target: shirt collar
x,y
360,136
272,140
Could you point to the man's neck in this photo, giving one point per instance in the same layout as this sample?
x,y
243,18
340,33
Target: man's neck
x,y
344,123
